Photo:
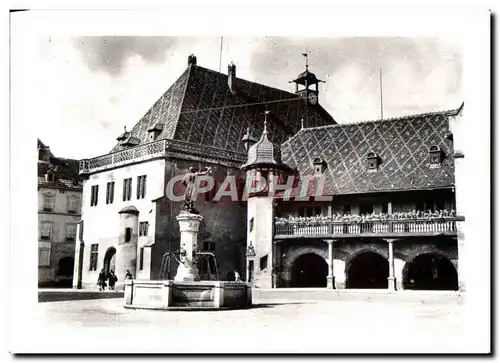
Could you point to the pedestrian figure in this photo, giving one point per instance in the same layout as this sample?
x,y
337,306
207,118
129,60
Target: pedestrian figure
x,y
237,276
112,280
128,275
101,280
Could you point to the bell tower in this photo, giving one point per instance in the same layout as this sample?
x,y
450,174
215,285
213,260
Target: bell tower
x,y
306,84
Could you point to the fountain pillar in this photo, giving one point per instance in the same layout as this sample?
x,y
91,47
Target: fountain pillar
x,y
189,225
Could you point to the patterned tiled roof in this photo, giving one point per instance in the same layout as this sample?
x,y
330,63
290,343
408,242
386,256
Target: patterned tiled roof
x,y
402,145
199,108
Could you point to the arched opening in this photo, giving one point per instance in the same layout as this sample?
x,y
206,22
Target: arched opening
x,y
430,272
309,270
65,267
109,260
368,270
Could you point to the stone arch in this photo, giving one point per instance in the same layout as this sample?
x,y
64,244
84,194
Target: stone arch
x,y
109,260
295,253
367,268
431,269
309,270
366,249
426,249
290,258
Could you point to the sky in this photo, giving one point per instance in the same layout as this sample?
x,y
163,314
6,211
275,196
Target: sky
x,y
90,88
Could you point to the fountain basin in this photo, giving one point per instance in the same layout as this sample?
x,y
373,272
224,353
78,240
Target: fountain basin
x,y
187,295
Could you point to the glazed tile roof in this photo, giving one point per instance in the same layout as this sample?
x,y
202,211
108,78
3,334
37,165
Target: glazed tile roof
x,y
199,108
402,144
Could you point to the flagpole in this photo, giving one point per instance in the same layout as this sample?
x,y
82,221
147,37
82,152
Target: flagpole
x,y
220,54
381,98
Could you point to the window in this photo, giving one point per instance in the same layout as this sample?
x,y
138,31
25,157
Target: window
x,y
251,225
94,195
435,156
141,258
263,262
48,202
110,192
209,246
127,189
94,251
73,204
141,187
143,228
43,256
70,232
373,161
128,234
319,166
46,231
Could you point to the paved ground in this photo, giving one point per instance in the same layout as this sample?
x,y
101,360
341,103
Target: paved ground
x,y
413,322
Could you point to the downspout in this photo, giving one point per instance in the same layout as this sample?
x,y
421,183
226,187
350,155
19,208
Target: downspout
x,y
80,255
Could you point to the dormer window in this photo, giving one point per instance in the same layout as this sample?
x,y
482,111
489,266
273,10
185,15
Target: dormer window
x,y
319,166
130,141
154,131
435,156
373,162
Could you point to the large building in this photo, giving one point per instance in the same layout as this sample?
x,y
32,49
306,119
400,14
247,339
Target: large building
x,y
207,118
59,209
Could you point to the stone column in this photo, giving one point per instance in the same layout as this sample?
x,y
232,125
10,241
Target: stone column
x,y
391,279
329,277
189,225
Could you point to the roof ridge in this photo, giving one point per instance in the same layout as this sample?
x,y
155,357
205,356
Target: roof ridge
x,y
139,121
189,73
449,112
252,82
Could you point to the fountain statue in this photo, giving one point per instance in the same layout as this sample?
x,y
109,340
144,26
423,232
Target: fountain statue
x,y
186,290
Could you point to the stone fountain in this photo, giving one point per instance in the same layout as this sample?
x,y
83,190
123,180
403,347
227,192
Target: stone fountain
x,y
186,291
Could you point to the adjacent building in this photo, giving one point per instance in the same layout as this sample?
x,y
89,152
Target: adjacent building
x,y
59,210
389,221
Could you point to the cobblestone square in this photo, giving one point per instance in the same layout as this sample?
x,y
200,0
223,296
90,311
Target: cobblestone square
x,y
355,323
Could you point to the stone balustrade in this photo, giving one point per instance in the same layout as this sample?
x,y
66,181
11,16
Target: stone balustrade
x,y
160,148
381,228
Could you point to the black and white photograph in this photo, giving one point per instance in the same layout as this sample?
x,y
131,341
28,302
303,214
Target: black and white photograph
x,y
314,184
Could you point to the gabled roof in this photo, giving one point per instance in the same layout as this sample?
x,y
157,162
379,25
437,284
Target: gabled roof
x,y
199,108
402,144
41,145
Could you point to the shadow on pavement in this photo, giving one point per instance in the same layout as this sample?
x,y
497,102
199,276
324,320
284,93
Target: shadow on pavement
x,y
50,296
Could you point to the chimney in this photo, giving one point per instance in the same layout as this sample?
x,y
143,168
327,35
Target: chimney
x,y
231,77
192,60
